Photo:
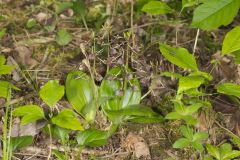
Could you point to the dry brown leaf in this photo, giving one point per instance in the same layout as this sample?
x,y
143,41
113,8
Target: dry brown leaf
x,y
136,144
23,56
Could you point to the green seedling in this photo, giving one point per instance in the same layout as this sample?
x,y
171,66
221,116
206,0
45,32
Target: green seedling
x,y
191,139
224,152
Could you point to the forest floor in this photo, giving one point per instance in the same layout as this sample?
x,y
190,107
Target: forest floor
x,y
30,43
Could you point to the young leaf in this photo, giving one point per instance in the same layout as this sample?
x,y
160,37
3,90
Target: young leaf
x,y
229,89
2,60
181,143
231,41
197,145
67,119
231,155
214,13
187,132
92,138
200,136
179,56
189,82
156,7
29,113
51,92
213,151
5,87
20,142
6,69
79,90
63,37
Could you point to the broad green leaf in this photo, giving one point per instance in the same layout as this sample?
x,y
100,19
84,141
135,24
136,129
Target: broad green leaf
x,y
205,75
231,41
231,155
213,151
2,60
229,89
171,74
224,149
193,108
63,37
197,145
79,90
51,92
187,132
200,136
179,56
5,87
214,13
20,142
181,143
6,69
67,119
156,7
29,113
92,137
189,82
112,87
133,112
173,115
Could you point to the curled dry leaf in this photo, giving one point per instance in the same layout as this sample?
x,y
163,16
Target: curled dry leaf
x,y
23,56
136,144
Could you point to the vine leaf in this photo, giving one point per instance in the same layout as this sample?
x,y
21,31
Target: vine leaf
x,y
212,14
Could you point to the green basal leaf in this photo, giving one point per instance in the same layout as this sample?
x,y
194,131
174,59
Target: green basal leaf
x,y
179,56
193,108
6,69
198,146
67,119
225,149
187,132
212,150
133,112
29,113
121,94
189,82
205,75
2,60
214,13
79,90
20,142
92,137
51,92
229,89
173,115
156,7
200,136
171,74
5,87
231,155
231,41
63,37
181,143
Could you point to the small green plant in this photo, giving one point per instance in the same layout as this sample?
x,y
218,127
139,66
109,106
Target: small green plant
x,y
224,152
191,139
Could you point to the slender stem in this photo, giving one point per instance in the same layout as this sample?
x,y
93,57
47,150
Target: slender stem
x,y
196,41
